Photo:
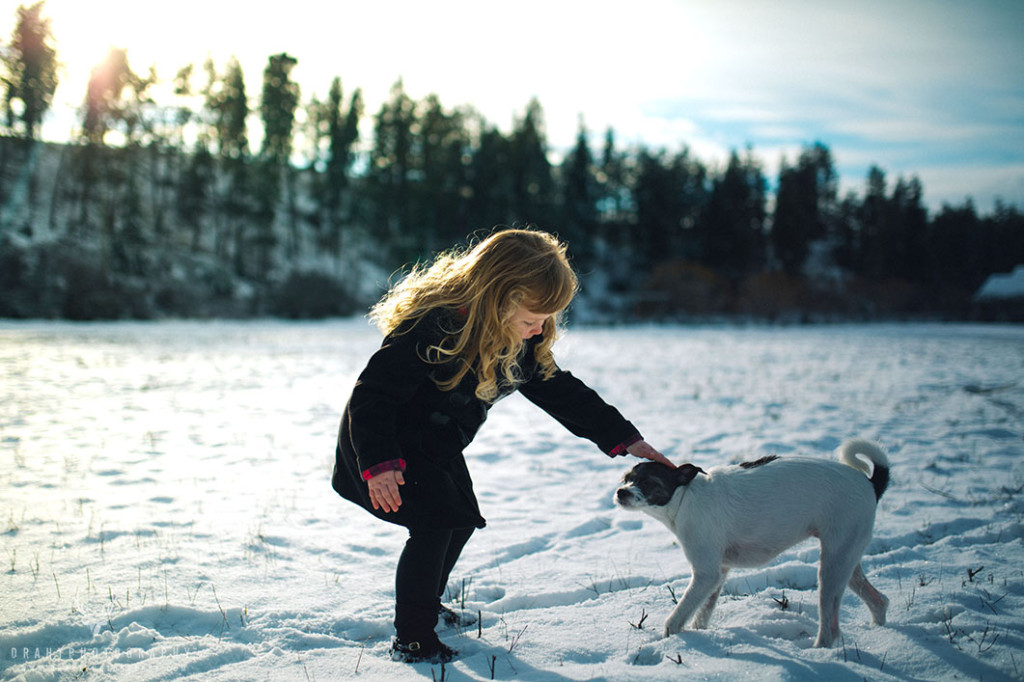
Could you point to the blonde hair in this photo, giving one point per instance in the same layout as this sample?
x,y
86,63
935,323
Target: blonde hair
x,y
486,284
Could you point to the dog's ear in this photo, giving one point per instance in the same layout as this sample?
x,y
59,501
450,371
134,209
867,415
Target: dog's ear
x,y
686,473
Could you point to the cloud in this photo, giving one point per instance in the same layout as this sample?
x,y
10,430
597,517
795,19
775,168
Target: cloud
x,y
985,184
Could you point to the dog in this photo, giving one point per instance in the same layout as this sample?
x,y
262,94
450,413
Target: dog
x,y
745,515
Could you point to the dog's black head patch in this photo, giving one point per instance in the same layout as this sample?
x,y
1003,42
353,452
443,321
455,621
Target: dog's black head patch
x,y
657,482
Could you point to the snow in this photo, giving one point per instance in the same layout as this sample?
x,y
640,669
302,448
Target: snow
x,y
1003,285
166,509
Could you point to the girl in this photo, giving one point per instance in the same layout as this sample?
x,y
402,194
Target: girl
x,y
460,334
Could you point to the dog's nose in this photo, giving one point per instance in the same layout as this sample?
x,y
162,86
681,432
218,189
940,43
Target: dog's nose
x,y
621,494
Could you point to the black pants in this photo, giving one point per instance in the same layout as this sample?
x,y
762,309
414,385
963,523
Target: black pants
x,y
423,569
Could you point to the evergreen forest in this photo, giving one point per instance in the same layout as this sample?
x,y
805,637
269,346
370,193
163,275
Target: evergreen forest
x,y
232,199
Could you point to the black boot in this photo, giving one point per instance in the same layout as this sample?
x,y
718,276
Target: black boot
x,y
415,639
428,650
456,619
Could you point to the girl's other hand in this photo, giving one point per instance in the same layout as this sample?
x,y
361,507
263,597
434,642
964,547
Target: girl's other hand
x,y
643,450
384,490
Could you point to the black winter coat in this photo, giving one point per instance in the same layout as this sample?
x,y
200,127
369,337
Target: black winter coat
x,y
397,411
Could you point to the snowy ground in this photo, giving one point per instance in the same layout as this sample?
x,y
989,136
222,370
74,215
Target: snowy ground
x,y
166,510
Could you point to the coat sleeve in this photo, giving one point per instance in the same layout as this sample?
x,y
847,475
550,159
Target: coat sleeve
x,y
581,410
392,377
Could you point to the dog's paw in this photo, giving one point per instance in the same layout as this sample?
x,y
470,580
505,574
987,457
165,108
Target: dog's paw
x,y
673,626
878,612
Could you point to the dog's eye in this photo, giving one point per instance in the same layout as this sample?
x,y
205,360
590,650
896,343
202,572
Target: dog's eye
x,y
654,491
650,486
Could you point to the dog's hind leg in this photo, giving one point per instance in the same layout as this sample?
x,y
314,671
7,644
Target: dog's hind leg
x,y
834,573
703,616
876,602
703,585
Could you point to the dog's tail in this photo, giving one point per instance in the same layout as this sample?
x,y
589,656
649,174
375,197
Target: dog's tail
x,y
879,477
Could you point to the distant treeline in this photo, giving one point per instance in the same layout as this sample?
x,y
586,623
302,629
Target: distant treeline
x,y
166,208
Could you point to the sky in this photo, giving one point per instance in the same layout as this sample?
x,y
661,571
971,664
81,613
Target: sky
x,y
921,88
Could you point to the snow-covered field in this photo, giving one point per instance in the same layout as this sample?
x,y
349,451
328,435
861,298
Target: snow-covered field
x,y
166,510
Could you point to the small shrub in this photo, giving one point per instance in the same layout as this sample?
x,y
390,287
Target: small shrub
x,y
14,296
771,295
310,295
683,287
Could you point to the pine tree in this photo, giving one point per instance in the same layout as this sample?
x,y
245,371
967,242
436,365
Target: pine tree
x,y
439,160
1005,228
532,184
907,243
336,133
490,183
229,110
669,194
658,213
30,71
579,226
614,195
806,209
873,219
278,102
195,191
109,193
229,106
956,259
104,101
390,172
732,227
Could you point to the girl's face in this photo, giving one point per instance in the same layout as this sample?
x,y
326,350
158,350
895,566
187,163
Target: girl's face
x,y
528,324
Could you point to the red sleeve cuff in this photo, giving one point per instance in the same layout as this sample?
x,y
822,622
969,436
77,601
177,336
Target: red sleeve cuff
x,y
390,465
620,449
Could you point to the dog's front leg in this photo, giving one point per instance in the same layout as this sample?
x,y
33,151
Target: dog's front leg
x,y
704,614
702,586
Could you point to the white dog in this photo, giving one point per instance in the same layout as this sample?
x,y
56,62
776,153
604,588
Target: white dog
x,y
745,515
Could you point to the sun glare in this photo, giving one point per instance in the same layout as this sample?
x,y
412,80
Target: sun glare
x,y
165,37
86,32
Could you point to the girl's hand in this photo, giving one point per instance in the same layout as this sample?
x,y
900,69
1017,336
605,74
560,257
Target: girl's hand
x,y
644,450
384,490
